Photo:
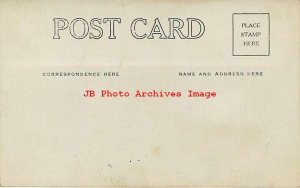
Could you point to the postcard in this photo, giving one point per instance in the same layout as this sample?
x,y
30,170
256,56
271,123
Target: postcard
x,y
147,93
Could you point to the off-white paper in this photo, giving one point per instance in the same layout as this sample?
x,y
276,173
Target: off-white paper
x,y
150,93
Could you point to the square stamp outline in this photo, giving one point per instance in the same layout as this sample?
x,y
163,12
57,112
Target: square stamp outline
x,y
269,30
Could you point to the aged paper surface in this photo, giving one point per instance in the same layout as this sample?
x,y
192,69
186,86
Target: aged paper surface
x,y
150,93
